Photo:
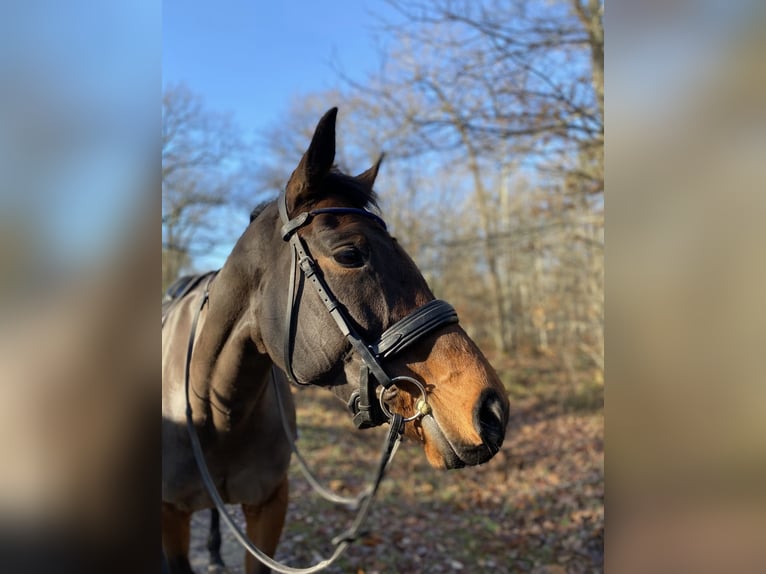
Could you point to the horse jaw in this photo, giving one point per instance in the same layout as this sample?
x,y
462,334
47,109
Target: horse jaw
x,y
437,448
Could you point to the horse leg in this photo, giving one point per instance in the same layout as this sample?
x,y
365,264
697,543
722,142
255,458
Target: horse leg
x,y
264,526
175,539
214,543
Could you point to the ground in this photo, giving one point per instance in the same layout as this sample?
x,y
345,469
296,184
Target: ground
x,y
535,507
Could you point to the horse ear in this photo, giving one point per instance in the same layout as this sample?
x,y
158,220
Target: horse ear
x,y
318,159
367,178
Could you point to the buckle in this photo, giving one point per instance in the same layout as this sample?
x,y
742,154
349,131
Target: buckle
x,y
307,266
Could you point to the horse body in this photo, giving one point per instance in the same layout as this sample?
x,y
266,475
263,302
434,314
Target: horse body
x,y
245,445
250,325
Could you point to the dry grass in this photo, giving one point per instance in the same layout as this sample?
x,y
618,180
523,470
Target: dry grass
x,y
536,507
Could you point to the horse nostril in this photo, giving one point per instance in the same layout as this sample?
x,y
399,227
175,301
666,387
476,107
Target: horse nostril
x,y
490,420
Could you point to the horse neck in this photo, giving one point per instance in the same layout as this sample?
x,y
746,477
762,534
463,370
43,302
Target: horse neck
x,y
228,371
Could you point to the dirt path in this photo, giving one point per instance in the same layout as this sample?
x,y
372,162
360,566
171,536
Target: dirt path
x,y
536,507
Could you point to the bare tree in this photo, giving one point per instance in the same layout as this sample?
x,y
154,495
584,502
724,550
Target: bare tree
x,y
507,96
491,116
202,154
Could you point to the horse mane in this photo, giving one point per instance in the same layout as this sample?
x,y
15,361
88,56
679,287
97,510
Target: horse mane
x,y
258,209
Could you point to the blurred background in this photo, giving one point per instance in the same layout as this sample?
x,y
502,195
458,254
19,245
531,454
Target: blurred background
x,y
492,118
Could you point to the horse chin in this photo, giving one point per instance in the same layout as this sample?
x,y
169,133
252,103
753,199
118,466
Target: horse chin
x,y
439,451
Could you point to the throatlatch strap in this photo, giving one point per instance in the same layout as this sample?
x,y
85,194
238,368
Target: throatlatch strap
x,y
288,327
310,272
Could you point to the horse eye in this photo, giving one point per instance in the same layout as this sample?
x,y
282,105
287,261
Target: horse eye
x,y
349,257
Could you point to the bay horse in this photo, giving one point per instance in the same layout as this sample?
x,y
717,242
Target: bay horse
x,y
316,259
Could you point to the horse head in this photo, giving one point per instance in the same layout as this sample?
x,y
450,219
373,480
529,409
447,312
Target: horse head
x,y
324,230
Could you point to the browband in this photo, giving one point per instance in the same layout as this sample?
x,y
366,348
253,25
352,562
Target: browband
x,y
299,221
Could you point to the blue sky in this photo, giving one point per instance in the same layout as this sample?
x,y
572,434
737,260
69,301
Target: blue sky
x,y
251,58
79,96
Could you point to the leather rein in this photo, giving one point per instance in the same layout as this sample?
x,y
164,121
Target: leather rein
x,y
367,403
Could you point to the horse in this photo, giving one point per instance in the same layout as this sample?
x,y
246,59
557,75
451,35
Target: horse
x,y
317,288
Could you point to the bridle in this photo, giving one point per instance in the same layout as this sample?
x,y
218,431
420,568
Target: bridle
x,y
367,411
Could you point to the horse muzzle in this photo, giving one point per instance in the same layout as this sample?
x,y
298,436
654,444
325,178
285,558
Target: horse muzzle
x,y
490,421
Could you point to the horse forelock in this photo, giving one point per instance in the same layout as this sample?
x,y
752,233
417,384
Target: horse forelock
x,y
335,184
350,189
347,188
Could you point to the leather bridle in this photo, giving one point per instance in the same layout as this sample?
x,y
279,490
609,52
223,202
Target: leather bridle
x,y
367,411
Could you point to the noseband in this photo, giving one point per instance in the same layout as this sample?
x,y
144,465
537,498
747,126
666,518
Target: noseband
x,y
367,411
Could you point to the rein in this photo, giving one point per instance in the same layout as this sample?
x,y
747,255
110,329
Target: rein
x,y
342,541
367,412
351,502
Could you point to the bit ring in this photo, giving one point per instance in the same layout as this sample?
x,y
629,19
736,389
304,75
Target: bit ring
x,y
422,407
